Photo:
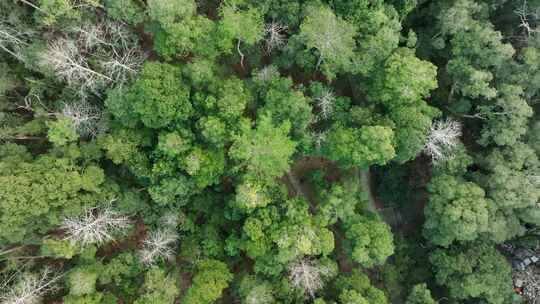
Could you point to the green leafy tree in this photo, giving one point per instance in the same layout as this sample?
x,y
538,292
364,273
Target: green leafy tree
x,y
510,180
401,86
37,193
420,294
158,97
62,131
331,37
362,147
403,80
211,279
265,152
82,280
125,10
475,272
357,287
378,29
506,118
168,12
158,287
457,211
371,240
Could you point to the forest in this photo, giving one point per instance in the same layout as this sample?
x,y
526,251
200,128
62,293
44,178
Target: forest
x,y
269,151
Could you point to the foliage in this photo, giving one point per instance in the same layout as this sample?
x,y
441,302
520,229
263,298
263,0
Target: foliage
x,y
420,294
212,277
457,211
371,240
265,151
476,271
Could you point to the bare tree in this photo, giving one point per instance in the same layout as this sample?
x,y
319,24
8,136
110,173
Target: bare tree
x,y
158,246
86,117
442,139
123,64
95,226
12,40
325,101
308,276
267,73
274,36
30,287
63,56
527,17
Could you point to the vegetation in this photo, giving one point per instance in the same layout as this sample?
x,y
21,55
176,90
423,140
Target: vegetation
x,y
279,151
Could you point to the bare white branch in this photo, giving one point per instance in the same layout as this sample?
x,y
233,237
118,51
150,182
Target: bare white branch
x,y
275,36
95,226
65,59
86,117
442,139
267,73
123,65
308,276
526,17
325,102
30,287
158,246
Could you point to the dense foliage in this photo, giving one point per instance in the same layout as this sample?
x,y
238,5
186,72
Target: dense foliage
x,y
259,152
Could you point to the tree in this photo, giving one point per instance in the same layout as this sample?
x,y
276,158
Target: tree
x,y
309,276
332,37
158,97
64,58
357,287
157,246
274,36
401,86
403,80
284,103
82,280
506,119
476,272
255,291
37,193
168,12
362,147
62,131
379,30
457,211
420,294
242,25
510,180
158,287
371,240
86,118
125,10
265,151
211,279
30,287
95,226
442,140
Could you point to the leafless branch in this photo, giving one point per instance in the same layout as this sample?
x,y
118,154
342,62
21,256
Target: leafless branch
x,y
158,246
308,276
442,139
325,102
275,36
30,287
95,226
